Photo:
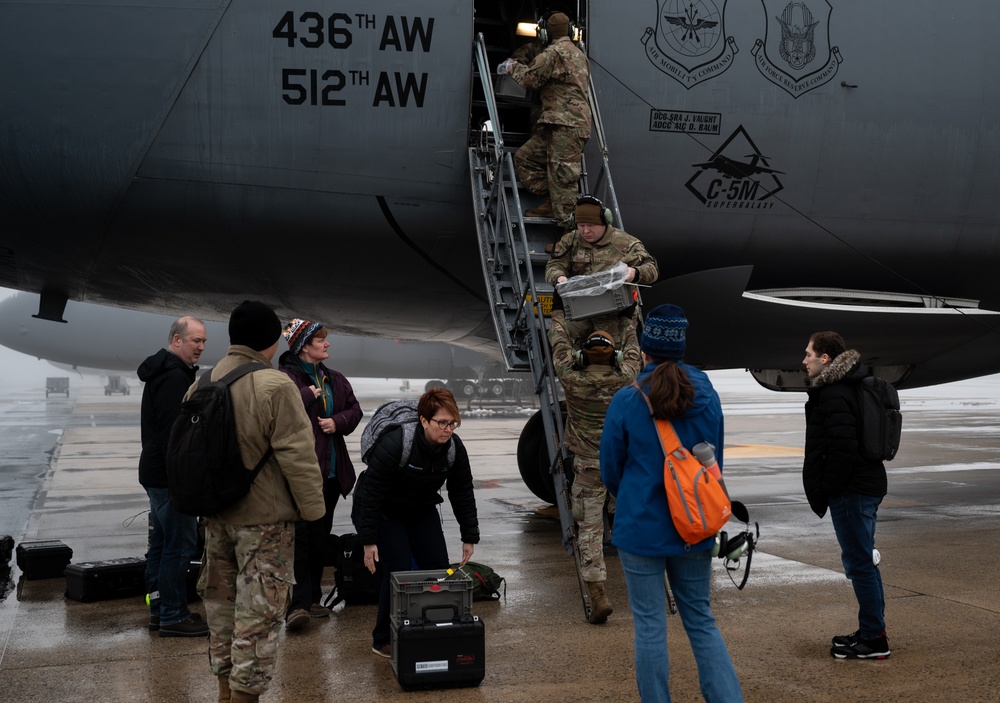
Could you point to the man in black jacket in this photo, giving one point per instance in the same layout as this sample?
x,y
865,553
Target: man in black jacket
x,y
167,374
836,475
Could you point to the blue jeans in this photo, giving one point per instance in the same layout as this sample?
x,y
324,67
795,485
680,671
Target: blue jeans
x,y
690,577
854,517
171,548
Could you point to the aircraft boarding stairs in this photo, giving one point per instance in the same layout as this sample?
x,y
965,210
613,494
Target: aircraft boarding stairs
x,y
514,257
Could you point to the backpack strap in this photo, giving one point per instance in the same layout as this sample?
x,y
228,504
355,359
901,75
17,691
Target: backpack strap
x,y
669,440
227,380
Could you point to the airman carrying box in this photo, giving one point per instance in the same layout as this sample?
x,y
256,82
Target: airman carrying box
x,y
45,559
436,640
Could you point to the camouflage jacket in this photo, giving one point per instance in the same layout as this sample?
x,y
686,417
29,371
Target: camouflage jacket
x,y
589,391
561,74
573,256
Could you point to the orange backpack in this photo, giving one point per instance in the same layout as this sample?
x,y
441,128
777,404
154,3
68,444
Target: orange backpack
x,y
699,505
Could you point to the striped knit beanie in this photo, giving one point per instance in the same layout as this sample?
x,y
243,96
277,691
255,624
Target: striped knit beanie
x,y
298,333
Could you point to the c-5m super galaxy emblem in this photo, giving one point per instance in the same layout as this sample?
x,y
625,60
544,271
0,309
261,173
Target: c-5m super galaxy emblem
x,y
690,43
795,53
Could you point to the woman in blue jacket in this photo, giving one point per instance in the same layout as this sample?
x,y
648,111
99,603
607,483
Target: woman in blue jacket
x,y
644,533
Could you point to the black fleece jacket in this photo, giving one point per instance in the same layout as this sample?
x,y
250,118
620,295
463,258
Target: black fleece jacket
x,y
167,379
386,488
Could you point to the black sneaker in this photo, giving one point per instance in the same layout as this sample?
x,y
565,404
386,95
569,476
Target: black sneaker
x,y
154,623
877,648
194,626
847,640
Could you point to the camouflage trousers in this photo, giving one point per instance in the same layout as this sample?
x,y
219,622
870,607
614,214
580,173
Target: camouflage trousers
x,y
548,164
246,583
589,494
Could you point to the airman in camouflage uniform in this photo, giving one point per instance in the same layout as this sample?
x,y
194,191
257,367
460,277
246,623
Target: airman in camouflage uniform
x,y
548,164
589,382
595,246
248,572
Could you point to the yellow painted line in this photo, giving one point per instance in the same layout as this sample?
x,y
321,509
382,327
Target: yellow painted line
x,y
760,451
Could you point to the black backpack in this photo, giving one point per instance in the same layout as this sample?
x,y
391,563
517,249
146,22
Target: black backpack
x,y
205,472
880,424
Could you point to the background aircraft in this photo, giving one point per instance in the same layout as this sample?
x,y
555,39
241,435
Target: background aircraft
x,y
106,341
181,158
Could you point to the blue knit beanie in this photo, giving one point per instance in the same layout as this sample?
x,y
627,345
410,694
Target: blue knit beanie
x,y
664,333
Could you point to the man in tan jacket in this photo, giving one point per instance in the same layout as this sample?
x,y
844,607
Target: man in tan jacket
x,y
247,577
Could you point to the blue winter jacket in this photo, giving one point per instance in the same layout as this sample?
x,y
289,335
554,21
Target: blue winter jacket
x,y
632,463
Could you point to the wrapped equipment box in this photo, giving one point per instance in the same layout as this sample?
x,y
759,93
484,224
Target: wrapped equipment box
x,y
581,307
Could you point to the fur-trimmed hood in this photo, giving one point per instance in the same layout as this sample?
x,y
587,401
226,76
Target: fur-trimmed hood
x,y
838,369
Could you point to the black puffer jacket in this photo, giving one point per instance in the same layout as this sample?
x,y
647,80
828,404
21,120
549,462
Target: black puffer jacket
x,y
386,488
833,463
167,379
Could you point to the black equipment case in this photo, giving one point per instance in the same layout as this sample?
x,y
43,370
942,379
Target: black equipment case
x,y
429,654
45,559
102,580
355,584
6,549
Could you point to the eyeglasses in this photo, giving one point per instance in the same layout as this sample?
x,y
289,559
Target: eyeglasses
x,y
447,424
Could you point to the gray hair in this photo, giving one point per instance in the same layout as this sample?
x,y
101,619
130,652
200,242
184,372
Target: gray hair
x,y
180,327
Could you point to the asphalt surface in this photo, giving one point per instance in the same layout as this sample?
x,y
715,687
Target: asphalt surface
x,y
68,472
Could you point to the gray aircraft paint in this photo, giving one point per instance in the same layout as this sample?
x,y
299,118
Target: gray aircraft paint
x,y
179,156
112,339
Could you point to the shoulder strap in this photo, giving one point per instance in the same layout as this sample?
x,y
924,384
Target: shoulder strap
x,y
241,371
227,380
238,372
668,437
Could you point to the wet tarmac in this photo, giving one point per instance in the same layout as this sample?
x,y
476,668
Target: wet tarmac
x,y
67,471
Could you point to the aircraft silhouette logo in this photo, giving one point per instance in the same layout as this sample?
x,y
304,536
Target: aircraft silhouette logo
x,y
736,177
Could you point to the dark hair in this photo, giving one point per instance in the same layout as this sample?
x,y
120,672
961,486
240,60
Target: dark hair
x,y
437,399
829,343
670,390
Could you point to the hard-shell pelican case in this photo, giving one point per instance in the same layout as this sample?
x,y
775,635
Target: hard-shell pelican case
x,y
45,559
428,654
103,580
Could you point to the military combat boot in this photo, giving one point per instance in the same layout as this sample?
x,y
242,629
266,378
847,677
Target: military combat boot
x,y
225,695
600,606
244,697
543,210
